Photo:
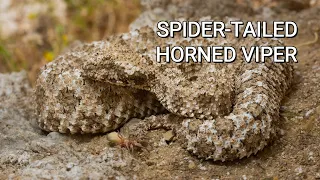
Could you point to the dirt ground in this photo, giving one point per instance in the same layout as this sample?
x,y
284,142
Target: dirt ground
x,y
26,152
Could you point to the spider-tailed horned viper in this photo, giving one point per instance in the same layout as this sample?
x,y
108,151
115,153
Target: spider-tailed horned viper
x,y
228,110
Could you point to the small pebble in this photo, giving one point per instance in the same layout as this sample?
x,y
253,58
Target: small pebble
x,y
168,136
56,136
308,113
191,165
69,166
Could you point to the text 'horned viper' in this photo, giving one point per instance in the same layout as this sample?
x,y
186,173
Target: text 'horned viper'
x,y
228,110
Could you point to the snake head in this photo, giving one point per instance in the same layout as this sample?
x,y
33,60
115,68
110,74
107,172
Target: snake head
x,y
118,64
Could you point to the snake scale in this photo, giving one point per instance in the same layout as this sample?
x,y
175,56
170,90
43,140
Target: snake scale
x,y
228,111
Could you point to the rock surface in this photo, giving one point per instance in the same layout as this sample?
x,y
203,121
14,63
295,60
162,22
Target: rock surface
x,y
26,152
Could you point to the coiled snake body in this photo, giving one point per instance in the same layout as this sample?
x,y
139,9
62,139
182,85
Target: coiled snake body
x,y
228,110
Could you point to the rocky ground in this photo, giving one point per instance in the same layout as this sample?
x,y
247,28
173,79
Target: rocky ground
x,y
26,152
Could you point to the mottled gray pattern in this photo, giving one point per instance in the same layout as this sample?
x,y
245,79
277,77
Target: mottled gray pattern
x,y
228,111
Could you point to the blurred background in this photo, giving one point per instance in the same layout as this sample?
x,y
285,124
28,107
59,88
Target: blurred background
x,y
34,32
